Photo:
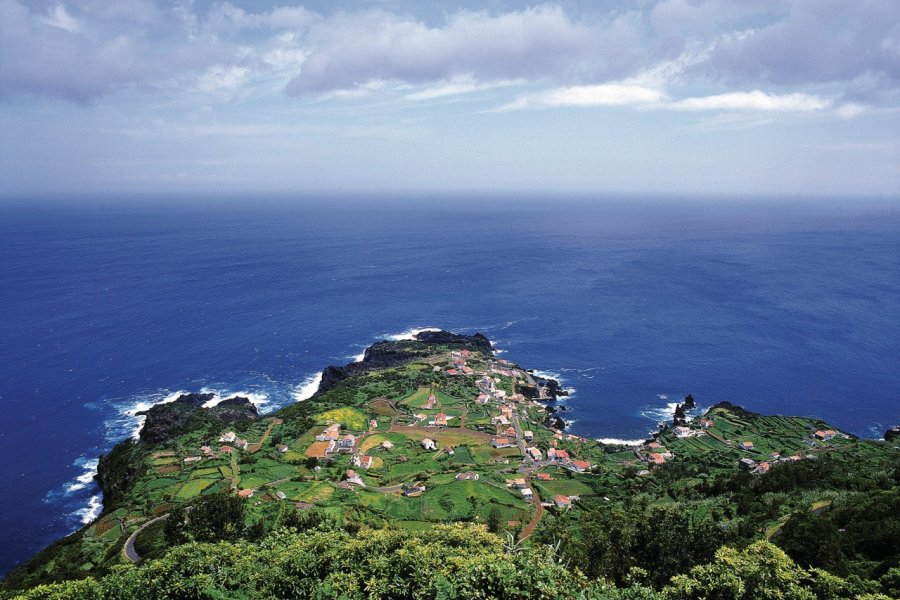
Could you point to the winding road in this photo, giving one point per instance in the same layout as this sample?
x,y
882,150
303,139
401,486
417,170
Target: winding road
x,y
128,549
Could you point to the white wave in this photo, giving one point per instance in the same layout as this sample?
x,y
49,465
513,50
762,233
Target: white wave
x,y
255,398
86,478
359,357
310,386
547,375
136,421
91,511
409,334
665,413
619,442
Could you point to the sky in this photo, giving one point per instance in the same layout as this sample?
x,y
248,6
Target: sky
x,y
732,97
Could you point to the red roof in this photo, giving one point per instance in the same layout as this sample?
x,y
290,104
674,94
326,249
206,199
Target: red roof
x,y
562,454
580,464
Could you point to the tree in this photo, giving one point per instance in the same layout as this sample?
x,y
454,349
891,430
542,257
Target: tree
x,y
214,518
813,541
495,520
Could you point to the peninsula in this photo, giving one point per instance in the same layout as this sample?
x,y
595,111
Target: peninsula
x,y
438,429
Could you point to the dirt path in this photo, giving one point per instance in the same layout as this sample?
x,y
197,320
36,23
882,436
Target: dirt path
x,y
255,447
538,513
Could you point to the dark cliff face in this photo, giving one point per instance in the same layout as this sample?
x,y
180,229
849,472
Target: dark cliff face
x,y
383,355
478,341
168,421
892,434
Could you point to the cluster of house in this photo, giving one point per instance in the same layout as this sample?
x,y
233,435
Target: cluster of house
x,y
760,467
655,455
232,438
825,435
330,442
523,487
458,364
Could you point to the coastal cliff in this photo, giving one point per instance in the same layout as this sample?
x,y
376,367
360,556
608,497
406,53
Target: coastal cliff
x,y
437,429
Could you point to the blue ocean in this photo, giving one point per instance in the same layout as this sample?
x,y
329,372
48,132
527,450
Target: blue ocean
x,y
111,305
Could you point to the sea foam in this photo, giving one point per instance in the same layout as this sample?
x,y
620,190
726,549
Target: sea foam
x,y
310,386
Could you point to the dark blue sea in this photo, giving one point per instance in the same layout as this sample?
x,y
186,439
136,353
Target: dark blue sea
x,y
111,305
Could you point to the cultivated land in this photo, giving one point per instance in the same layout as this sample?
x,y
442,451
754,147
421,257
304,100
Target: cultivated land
x,y
426,432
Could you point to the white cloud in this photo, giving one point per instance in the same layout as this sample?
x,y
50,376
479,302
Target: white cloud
x,y
60,18
609,94
457,86
753,101
222,78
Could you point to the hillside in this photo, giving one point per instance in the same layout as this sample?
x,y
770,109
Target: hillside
x,y
439,430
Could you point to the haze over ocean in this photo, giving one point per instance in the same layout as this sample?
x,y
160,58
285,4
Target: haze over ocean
x,y
782,307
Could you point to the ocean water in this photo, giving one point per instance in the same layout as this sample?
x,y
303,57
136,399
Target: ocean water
x,y
111,306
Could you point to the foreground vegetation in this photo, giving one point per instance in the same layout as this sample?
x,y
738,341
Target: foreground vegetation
x,y
348,495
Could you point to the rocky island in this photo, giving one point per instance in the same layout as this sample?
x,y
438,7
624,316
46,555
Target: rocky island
x,y
438,430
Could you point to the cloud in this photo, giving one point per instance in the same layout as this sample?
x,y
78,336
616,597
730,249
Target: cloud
x,y
623,94
60,18
350,50
610,94
753,101
800,53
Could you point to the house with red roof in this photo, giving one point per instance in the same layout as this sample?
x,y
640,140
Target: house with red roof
x,y
502,442
245,494
580,465
562,501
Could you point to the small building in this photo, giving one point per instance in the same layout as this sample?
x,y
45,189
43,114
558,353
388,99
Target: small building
x,y
544,477
580,465
562,501
193,459
467,476
281,448
429,444
706,423
761,468
528,435
825,435
362,461
226,449
412,490
429,404
747,445
527,494
468,370
228,437
682,431
654,445
245,494
483,398
452,372
657,459
280,495
241,443
561,455
346,443
502,442
207,451
535,453
373,424
387,444
747,463
518,483
354,478
440,420
331,433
